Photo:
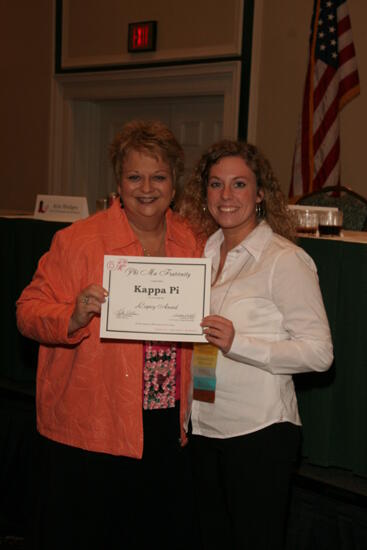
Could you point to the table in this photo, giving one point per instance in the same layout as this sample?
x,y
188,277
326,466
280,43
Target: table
x,y
22,243
333,405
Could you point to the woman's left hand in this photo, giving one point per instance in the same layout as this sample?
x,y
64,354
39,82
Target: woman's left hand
x,y
219,331
87,305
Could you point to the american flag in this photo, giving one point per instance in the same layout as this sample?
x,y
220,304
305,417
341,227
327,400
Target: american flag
x,y
331,81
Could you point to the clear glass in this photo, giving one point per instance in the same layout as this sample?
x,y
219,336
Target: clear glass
x,y
307,222
330,223
101,204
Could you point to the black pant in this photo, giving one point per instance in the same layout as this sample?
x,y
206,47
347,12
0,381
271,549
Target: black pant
x,y
242,486
87,500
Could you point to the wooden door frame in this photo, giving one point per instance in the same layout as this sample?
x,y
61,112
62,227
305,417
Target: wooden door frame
x,y
219,79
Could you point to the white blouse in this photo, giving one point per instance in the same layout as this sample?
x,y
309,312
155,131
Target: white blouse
x,y
269,289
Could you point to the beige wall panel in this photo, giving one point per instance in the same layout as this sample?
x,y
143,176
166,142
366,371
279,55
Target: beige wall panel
x,y
354,115
283,63
26,54
26,59
96,32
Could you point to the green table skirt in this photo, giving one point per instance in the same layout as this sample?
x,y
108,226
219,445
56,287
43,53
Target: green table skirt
x,y
333,405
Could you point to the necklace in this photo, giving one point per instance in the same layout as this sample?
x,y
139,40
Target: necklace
x,y
243,265
146,252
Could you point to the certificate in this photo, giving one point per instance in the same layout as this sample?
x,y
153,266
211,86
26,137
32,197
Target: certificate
x,y
155,298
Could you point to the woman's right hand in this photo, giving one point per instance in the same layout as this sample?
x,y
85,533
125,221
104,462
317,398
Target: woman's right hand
x,y
87,305
218,331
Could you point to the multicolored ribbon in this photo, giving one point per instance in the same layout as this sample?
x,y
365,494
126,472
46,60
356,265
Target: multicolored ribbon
x,y
204,362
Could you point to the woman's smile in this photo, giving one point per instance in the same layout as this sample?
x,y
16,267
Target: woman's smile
x,y
227,208
146,200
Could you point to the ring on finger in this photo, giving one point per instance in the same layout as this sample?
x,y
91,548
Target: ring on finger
x,y
85,299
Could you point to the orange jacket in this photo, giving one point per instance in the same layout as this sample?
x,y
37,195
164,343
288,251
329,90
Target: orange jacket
x,y
89,392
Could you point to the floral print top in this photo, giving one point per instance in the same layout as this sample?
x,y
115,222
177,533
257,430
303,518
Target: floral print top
x,y
161,375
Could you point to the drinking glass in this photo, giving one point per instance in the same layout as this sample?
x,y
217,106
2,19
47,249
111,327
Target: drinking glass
x,y
330,223
307,222
101,204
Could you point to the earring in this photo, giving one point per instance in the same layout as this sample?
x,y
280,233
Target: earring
x,y
260,209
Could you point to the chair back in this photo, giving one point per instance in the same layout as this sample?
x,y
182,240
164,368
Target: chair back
x,y
353,205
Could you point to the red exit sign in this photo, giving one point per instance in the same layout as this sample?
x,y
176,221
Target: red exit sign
x,y
142,36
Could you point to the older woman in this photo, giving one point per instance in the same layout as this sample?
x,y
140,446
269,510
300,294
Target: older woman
x,y
111,464
267,322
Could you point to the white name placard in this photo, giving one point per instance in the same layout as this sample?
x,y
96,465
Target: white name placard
x,y
60,208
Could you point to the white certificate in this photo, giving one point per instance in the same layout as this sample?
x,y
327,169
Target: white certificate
x,y
155,298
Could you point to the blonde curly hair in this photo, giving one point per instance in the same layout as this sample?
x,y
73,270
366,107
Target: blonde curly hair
x,y
191,203
150,137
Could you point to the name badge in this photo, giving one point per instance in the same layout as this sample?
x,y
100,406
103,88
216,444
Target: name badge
x,y
204,362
